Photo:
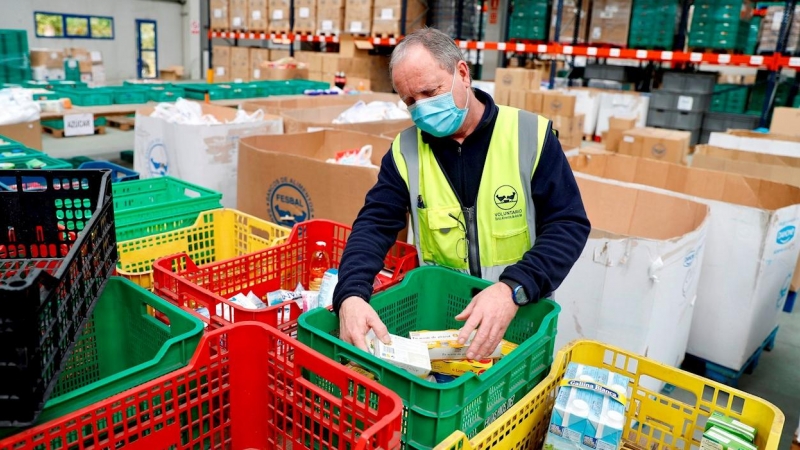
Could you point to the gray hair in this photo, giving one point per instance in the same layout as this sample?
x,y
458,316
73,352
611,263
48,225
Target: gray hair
x,y
441,46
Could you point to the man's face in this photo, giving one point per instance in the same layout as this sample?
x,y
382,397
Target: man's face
x,y
419,76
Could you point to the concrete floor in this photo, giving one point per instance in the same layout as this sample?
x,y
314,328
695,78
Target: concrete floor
x,y
778,374
106,146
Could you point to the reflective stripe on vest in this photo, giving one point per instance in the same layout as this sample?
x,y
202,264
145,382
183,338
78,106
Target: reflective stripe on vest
x,y
503,218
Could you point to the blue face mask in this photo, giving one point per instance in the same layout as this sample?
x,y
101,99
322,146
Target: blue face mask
x,y
439,115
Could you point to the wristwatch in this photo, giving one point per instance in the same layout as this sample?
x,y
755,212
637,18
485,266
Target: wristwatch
x,y
518,294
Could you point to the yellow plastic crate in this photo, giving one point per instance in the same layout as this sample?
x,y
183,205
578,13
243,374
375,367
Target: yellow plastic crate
x,y
653,420
217,235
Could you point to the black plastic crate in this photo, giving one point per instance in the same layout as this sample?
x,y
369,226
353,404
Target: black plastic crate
x,y
723,122
57,250
689,83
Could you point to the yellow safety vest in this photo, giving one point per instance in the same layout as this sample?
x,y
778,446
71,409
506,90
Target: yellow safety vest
x,y
500,228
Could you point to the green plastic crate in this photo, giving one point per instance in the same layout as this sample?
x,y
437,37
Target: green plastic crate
x,y
157,205
8,145
130,95
240,90
199,91
123,346
165,93
428,298
34,162
55,84
88,96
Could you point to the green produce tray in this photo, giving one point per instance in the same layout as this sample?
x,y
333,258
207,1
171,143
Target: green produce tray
x,y
58,124
53,84
199,91
21,163
157,205
428,298
130,95
123,346
165,93
8,145
88,96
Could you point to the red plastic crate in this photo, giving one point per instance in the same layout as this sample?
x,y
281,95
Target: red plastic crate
x,y
178,279
247,386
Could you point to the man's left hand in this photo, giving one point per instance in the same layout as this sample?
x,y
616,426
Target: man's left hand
x,y
490,312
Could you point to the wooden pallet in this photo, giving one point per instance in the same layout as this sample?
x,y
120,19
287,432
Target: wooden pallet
x,y
384,35
304,32
124,123
59,133
727,375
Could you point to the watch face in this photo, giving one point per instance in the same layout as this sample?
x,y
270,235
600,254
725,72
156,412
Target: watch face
x,y
520,298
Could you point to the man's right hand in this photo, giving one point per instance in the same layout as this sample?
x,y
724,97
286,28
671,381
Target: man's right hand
x,y
356,317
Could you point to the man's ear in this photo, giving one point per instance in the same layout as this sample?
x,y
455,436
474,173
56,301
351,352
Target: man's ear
x,y
463,72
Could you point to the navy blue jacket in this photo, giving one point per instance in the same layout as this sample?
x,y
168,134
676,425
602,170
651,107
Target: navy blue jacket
x,y
562,227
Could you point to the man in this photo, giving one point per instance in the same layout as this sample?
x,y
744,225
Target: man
x,y
489,190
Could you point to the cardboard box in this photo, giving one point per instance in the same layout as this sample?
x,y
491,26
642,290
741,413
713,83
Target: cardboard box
x,y
83,56
780,169
558,104
387,16
46,57
610,22
257,57
617,104
357,19
533,101
171,73
279,20
617,126
287,179
785,121
274,73
206,155
221,58
752,141
277,104
237,14
750,253
656,143
570,142
568,126
511,86
219,14
305,16
306,120
275,55
610,295
240,64
330,19
27,133
568,17
258,15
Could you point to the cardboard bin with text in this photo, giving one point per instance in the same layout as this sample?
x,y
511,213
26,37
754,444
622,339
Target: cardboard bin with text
x,y
750,253
635,283
201,154
305,120
285,179
780,169
656,143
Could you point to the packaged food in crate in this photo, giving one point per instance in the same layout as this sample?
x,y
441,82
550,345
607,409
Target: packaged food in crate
x,y
209,288
121,347
216,235
57,251
667,407
429,298
247,386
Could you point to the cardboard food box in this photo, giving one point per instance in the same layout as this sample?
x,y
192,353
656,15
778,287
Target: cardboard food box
x,y
286,178
752,141
330,19
237,14
568,127
609,295
617,126
277,104
279,16
206,155
656,143
780,169
570,142
27,133
358,17
48,58
240,64
785,121
533,101
750,253
258,56
306,120
610,22
558,104
83,56
387,16
257,15
278,73
617,104
221,58
305,16
219,14
511,86
569,15
171,73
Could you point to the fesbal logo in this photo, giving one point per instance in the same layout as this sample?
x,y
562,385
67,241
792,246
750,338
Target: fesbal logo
x,y
786,234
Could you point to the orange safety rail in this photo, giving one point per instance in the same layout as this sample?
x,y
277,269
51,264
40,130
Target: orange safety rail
x,y
178,279
247,386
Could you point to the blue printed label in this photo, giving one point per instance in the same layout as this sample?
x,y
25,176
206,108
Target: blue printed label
x,y
786,234
157,159
289,202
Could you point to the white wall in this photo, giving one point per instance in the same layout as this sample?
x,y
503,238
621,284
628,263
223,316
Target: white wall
x,y
119,54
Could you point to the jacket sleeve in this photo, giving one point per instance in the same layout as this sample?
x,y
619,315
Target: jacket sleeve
x,y
374,232
562,226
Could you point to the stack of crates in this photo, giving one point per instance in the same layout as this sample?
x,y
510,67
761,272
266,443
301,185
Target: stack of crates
x,y
720,25
653,24
529,20
458,19
15,64
730,98
752,35
758,93
681,102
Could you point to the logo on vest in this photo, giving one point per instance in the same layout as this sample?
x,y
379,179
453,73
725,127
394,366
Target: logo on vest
x,y
506,197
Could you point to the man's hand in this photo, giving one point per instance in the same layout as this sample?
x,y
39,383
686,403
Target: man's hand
x,y
490,312
356,317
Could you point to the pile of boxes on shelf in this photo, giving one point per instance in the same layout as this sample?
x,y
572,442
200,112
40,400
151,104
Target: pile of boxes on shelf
x,y
324,17
722,25
72,64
